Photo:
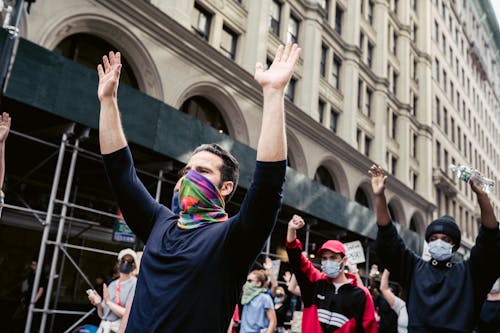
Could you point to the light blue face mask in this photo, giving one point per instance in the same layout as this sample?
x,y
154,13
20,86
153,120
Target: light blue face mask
x,y
440,250
331,268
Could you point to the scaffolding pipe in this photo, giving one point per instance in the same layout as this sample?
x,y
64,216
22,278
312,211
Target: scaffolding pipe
x,y
46,231
55,254
85,248
158,186
80,320
70,258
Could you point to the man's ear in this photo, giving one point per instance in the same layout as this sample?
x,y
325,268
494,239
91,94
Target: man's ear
x,y
226,188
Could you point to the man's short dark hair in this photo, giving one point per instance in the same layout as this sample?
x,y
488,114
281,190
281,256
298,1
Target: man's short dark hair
x,y
230,169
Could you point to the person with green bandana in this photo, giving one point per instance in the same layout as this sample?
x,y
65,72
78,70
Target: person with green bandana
x,y
195,262
258,313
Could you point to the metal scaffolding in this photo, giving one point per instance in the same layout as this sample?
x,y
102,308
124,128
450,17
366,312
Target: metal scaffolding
x,y
56,265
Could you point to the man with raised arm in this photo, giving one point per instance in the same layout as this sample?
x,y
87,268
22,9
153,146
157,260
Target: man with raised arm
x,y
333,300
195,263
445,293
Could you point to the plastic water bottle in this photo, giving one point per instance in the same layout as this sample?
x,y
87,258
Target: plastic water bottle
x,y
465,173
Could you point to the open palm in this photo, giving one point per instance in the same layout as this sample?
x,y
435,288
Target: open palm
x,y
281,70
378,178
109,76
4,126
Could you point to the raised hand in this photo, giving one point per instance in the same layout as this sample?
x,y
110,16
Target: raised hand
x,y
4,126
109,77
378,179
296,223
281,70
105,293
268,264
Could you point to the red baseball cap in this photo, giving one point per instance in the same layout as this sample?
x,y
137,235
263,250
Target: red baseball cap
x,y
334,246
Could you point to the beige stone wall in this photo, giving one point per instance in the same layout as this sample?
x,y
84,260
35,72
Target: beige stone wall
x,y
173,66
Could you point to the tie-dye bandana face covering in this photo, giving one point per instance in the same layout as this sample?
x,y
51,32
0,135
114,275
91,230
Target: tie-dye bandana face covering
x,y
200,201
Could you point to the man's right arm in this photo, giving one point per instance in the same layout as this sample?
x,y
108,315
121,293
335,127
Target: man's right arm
x,y
136,204
390,248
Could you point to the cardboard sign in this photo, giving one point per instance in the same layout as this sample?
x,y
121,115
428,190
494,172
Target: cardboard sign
x,y
355,252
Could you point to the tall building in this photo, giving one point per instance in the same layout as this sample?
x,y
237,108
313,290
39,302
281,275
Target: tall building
x,y
407,84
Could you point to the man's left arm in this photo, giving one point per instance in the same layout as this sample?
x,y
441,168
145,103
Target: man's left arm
x,y
260,207
487,248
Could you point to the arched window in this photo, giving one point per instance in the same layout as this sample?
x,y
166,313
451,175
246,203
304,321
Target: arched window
x,y
324,177
414,224
88,50
361,197
201,108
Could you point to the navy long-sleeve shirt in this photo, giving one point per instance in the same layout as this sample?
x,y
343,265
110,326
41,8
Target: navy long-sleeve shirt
x,y
442,298
191,278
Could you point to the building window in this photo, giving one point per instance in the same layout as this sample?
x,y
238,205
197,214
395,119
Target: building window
x,y
324,54
85,48
395,77
445,80
293,30
204,110
443,44
360,93
415,104
369,55
438,154
415,179
321,111
437,111
334,120
323,177
368,102
361,41
358,138
370,11
337,63
394,43
436,70
274,18
339,15
394,164
325,4
201,21
436,31
394,128
368,143
445,120
228,42
414,150
290,89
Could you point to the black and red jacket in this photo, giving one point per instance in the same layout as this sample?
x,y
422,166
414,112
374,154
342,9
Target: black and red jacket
x,y
349,309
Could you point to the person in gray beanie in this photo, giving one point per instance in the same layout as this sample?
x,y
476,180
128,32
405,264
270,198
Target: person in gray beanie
x,y
444,294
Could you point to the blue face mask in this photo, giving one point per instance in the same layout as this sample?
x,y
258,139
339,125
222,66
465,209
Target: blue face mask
x,y
175,207
331,268
440,250
277,300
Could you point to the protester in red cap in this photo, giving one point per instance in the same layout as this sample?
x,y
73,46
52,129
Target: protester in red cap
x,y
444,294
333,302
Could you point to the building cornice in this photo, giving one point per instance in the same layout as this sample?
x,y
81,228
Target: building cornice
x,y
345,152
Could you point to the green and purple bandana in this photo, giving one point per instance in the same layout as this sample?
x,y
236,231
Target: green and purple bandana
x,y
201,202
